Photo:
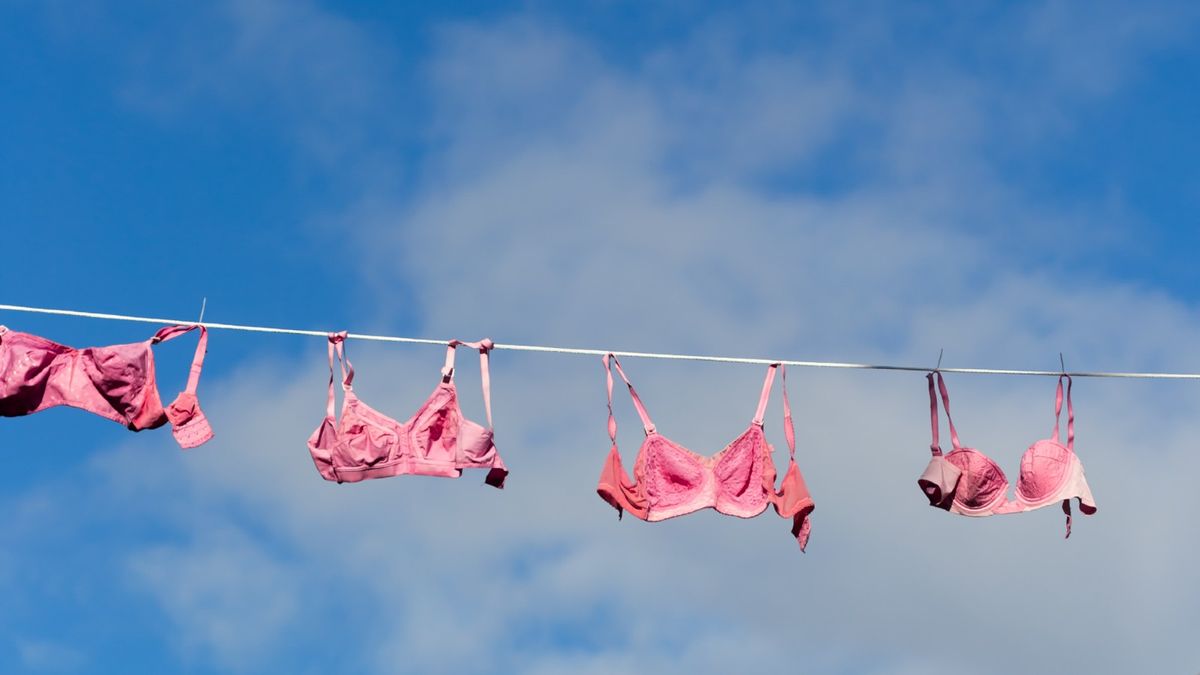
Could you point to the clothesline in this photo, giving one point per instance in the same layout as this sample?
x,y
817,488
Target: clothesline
x,y
598,352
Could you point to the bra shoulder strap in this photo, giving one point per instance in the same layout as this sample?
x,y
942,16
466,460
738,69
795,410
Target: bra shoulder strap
x,y
935,447
484,346
789,430
337,350
170,333
1058,402
609,361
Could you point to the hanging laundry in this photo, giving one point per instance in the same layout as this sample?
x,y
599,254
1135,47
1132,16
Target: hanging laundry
x,y
115,382
436,441
968,482
670,480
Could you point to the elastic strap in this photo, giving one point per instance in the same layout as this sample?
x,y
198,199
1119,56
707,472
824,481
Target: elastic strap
x,y
484,346
1058,401
766,393
941,382
609,361
935,447
789,431
197,361
335,347
170,333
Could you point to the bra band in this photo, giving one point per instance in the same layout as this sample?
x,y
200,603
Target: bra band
x,y
936,447
172,332
484,346
1058,401
609,361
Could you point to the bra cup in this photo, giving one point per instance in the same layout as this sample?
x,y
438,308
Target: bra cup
x,y
26,367
365,440
982,482
119,376
189,425
433,435
474,444
672,473
1044,467
321,445
739,470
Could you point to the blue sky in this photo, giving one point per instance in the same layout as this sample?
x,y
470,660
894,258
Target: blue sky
x,y
848,181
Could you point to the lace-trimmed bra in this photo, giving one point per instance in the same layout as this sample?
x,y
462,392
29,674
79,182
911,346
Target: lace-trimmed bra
x,y
436,441
968,482
670,480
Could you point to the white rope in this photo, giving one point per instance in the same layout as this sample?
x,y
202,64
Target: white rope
x,y
600,352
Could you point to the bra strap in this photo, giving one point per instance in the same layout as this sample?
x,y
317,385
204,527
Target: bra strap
x,y
766,394
335,346
789,430
484,346
610,360
1058,401
935,446
197,362
172,332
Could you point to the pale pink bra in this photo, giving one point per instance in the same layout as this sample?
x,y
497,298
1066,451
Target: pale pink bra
x,y
436,441
116,382
968,482
670,480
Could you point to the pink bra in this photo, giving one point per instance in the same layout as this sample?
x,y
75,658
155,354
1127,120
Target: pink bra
x,y
436,441
968,482
115,382
670,480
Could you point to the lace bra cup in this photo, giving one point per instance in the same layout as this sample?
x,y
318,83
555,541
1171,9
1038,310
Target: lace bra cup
x,y
678,480
116,382
437,441
670,480
969,482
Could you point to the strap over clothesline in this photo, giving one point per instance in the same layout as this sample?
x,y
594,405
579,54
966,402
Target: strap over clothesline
x,y
603,352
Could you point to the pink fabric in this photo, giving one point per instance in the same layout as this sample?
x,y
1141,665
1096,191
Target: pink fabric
x,y
436,441
115,382
968,482
670,480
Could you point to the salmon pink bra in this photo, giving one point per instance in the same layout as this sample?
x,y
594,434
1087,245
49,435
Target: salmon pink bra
x,y
670,480
116,382
968,482
436,441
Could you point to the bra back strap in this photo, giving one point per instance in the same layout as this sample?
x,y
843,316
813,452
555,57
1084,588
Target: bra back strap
x,y
1058,401
609,361
484,346
789,430
935,447
172,332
